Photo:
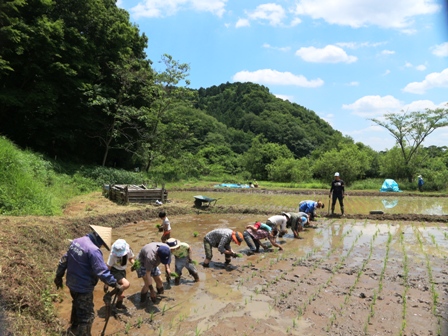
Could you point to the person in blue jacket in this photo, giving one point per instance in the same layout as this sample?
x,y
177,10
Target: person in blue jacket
x,y
309,207
84,265
420,183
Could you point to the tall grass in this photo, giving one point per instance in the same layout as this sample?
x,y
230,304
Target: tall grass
x,y
30,186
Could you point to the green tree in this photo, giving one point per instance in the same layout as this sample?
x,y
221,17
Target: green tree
x,y
351,162
167,93
261,154
290,170
410,129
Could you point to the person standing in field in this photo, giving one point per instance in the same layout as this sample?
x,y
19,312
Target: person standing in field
x,y
420,183
166,226
338,190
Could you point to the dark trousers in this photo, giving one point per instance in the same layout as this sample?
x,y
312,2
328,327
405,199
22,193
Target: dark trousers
x,y
82,313
341,202
254,244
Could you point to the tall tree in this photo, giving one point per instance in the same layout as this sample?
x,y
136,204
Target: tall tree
x,y
167,93
410,129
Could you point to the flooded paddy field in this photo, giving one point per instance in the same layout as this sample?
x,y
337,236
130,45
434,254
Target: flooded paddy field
x,y
389,203
344,277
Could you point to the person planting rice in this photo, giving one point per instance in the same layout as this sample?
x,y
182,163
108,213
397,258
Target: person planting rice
x,y
278,222
297,222
150,257
221,239
309,207
255,233
85,265
182,258
121,254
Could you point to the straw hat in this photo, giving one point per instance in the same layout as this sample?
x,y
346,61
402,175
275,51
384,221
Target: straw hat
x,y
173,243
105,234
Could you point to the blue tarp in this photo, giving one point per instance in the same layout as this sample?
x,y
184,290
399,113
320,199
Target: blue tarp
x,y
231,185
390,185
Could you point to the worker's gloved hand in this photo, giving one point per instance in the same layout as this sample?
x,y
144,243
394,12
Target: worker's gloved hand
x,y
58,282
234,255
168,276
134,267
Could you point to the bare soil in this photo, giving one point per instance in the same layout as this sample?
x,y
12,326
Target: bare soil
x,y
356,275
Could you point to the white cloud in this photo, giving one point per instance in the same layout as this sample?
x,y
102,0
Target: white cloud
x,y
433,80
268,46
357,45
274,77
163,8
270,12
387,52
328,54
386,72
422,105
354,83
421,67
355,13
440,50
242,23
285,97
295,22
374,106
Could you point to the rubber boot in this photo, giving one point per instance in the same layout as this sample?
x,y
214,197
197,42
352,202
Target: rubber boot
x,y
177,281
84,329
195,276
143,297
332,210
161,290
342,211
119,304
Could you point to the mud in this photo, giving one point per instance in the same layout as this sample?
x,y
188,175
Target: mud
x,y
344,277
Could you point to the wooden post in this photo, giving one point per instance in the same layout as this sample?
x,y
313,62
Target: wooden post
x,y
162,197
126,194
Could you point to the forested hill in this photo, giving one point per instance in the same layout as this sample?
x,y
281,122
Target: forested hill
x,y
252,108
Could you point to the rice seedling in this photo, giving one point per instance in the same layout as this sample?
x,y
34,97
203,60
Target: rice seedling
x,y
195,234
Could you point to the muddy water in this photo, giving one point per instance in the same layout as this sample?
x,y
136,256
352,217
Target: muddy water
x,y
353,204
344,277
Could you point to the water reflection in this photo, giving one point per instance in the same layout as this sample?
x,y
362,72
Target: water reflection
x,y
401,205
389,204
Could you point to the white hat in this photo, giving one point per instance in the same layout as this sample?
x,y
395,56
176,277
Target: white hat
x,y
419,176
286,214
105,234
120,248
336,174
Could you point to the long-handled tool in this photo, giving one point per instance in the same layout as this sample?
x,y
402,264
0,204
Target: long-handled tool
x,y
109,301
329,198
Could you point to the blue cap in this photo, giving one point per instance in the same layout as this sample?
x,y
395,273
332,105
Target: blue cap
x,y
304,220
164,254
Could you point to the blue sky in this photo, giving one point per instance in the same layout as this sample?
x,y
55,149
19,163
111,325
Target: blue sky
x,y
347,60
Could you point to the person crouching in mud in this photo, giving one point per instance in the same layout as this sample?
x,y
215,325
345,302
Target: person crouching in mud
x,y
221,239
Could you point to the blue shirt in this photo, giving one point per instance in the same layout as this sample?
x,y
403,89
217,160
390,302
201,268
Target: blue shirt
x,y
85,264
307,206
